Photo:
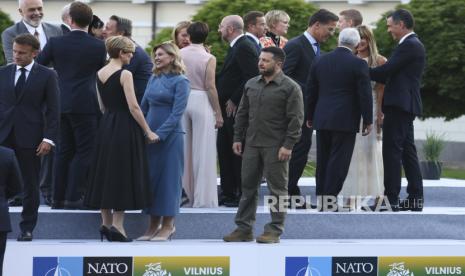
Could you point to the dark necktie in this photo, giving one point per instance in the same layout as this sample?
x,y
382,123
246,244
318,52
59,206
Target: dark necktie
x,y
317,45
21,82
259,47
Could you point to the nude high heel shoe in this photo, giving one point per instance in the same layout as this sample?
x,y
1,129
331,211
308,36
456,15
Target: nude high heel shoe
x,y
159,238
149,237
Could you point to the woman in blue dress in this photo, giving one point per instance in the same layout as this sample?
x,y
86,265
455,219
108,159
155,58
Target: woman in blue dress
x,y
164,103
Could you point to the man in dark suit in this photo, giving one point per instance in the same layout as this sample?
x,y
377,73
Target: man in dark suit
x,y
240,65
10,185
300,52
141,65
26,90
402,102
31,13
255,28
339,93
77,57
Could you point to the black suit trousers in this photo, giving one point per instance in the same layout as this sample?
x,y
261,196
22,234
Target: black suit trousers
x,y
230,164
46,174
399,151
299,159
29,164
3,236
75,146
334,152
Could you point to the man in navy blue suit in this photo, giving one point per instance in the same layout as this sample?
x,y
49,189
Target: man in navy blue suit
x,y
141,65
300,53
76,57
339,94
10,185
402,102
28,120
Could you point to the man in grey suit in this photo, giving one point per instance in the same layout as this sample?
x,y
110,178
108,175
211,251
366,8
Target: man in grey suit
x,y
31,12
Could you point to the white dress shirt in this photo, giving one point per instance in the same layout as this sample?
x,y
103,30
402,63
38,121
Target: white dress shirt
x,y
312,41
40,30
17,75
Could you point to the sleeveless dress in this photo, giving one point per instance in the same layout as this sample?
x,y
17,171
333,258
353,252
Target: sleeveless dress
x,y
118,177
366,175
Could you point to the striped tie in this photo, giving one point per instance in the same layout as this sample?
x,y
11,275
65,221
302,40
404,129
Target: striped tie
x,y
36,35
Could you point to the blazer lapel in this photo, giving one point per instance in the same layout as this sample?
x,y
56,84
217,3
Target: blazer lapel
x,y
11,82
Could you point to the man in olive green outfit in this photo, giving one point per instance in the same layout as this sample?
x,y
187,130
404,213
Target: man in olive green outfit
x,y
270,117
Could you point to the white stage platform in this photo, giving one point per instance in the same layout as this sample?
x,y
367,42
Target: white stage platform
x,y
214,257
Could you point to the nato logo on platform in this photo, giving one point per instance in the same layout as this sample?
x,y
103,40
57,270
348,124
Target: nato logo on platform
x,y
308,266
57,266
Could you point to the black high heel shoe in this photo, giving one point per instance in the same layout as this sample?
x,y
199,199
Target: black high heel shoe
x,y
104,231
118,236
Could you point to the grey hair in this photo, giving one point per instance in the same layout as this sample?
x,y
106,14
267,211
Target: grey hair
x,y
65,12
349,37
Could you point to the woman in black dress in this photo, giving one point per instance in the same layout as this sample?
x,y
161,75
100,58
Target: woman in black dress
x,y
119,172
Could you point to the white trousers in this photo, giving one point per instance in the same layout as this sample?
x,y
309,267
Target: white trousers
x,y
199,179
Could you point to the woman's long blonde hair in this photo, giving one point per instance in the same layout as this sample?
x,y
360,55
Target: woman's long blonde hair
x,y
366,33
177,66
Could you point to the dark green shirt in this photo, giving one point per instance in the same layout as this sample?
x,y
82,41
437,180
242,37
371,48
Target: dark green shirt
x,y
270,114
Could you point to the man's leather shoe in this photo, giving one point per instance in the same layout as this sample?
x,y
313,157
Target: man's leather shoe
x,y
231,202
268,237
25,236
15,202
56,204
239,236
411,204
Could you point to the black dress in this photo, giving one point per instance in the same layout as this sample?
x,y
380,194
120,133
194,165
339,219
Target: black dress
x,y
118,177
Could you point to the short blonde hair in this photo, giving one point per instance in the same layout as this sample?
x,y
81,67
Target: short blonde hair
x,y
273,17
181,25
118,43
177,66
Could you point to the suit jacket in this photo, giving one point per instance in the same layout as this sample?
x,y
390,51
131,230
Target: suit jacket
x,y
299,58
339,92
10,33
34,113
141,68
402,76
65,29
240,65
76,56
258,46
10,184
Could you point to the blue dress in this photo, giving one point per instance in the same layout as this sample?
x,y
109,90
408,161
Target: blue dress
x,y
164,102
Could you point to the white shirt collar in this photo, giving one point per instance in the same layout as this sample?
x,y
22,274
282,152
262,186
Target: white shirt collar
x,y
404,37
28,67
234,40
32,30
310,38
254,37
